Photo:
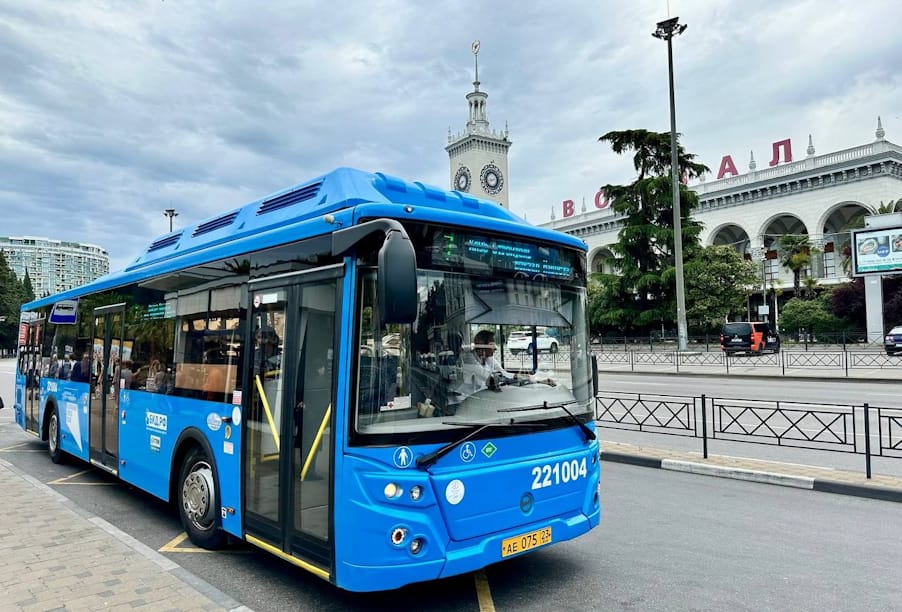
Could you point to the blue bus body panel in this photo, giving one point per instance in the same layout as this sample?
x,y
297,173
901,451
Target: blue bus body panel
x,y
508,488
19,405
71,401
148,434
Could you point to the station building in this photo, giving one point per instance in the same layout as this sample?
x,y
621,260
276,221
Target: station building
x,y
819,196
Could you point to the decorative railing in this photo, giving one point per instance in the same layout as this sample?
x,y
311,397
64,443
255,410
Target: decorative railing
x,y
856,429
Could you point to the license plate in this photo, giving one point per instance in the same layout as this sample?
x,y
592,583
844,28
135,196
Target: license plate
x,y
899,346
525,541
736,340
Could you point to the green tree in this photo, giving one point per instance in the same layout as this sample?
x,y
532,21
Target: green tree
x,y
795,254
813,316
719,282
640,295
27,289
10,301
809,289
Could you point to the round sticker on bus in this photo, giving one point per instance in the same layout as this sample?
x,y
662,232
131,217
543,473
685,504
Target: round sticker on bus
x,y
236,415
454,492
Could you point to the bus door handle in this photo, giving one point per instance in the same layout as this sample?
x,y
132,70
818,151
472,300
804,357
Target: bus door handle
x,y
227,419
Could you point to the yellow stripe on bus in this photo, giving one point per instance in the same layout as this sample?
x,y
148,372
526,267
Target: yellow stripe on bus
x,y
291,559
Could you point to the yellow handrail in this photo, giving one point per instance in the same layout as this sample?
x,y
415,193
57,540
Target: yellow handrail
x,y
272,423
316,442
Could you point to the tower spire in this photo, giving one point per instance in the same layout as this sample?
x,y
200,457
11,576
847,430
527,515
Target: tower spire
x,y
475,48
880,134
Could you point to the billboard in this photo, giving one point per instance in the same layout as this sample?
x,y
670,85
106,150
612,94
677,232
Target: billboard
x,y
877,251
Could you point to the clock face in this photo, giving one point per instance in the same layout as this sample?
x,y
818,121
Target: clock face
x,y
462,179
491,179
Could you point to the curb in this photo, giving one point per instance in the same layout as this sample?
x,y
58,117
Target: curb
x,y
198,584
773,478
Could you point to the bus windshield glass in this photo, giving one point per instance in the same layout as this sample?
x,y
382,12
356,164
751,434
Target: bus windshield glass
x,y
500,336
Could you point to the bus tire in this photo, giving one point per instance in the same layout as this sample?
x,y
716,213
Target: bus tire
x,y
53,436
197,500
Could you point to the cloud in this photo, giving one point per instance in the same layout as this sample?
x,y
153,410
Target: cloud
x,y
110,113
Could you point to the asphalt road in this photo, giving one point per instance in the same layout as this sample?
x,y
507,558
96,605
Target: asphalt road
x,y
668,541
826,390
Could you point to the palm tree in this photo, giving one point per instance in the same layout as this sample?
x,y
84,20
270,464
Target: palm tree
x,y
810,290
795,254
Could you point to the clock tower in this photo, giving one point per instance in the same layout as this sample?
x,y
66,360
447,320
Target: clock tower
x,y
478,155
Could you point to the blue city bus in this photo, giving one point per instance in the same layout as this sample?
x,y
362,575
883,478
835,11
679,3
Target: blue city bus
x,y
322,373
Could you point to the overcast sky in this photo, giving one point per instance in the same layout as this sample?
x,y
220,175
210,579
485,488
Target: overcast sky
x,y
111,112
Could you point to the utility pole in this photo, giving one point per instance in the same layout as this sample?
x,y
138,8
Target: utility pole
x,y
666,30
170,212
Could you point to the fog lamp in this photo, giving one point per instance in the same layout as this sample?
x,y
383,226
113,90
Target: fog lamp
x,y
398,535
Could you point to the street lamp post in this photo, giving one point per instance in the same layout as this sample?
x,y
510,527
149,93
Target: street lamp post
x,y
666,30
170,212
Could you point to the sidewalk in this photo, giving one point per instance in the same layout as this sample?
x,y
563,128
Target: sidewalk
x,y
883,487
57,556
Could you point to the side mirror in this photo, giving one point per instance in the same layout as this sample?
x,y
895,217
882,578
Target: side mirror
x,y
397,266
397,279
594,375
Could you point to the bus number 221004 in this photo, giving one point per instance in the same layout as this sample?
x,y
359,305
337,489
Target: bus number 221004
x,y
558,473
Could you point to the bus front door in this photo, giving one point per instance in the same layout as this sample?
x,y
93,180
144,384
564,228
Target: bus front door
x,y
32,378
104,391
288,447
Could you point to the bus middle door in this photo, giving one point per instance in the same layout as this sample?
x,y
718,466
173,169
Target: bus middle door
x,y
288,448
103,419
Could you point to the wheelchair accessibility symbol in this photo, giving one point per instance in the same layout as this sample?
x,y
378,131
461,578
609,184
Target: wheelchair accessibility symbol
x,y
467,452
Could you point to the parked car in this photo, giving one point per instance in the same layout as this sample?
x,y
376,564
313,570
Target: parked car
x,y
749,337
448,367
892,342
518,341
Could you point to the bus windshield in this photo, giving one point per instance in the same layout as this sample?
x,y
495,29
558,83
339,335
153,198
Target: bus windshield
x,y
491,344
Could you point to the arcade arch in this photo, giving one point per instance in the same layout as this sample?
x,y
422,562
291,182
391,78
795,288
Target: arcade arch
x,y
602,261
731,235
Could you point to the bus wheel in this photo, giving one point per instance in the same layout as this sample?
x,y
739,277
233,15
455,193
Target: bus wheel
x,y
53,437
197,501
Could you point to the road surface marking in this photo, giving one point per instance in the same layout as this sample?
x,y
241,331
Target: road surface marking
x,y
483,592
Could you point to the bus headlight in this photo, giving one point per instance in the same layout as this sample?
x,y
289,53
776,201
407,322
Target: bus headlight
x,y
392,491
416,492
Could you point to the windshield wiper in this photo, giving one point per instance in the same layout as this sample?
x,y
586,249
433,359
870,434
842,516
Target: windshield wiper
x,y
426,460
588,433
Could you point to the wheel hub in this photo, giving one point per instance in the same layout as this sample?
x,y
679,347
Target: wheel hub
x,y
53,432
198,494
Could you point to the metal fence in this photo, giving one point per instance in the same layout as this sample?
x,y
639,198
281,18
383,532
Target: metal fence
x,y
824,427
711,341
836,361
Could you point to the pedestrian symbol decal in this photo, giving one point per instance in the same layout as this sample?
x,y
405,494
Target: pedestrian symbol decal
x,y
403,457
